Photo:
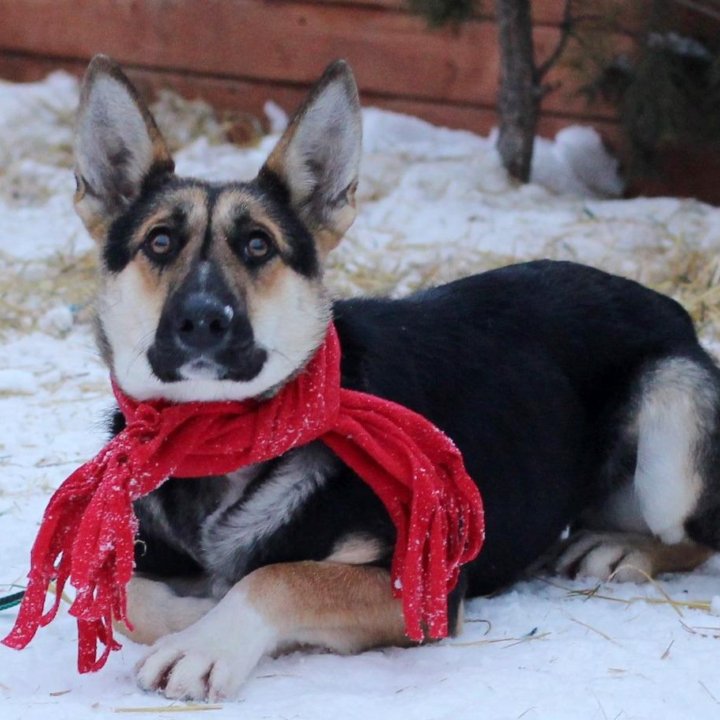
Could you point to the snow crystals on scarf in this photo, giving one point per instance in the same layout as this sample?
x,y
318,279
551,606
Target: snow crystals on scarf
x,y
88,531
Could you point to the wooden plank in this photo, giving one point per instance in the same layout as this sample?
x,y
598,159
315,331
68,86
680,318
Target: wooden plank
x,y
396,5
544,12
393,54
250,97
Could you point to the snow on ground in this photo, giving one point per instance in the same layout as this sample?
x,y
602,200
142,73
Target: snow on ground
x,y
434,204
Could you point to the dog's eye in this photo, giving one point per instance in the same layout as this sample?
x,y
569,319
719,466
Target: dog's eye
x,y
258,246
160,243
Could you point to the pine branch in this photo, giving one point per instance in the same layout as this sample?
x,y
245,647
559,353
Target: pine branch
x,y
566,27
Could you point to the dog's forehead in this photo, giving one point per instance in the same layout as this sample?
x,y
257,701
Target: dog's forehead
x,y
221,205
233,203
242,207
188,204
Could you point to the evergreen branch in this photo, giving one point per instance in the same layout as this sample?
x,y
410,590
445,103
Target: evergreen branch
x,y
566,27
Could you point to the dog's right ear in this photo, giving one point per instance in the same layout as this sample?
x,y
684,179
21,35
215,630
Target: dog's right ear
x,y
117,146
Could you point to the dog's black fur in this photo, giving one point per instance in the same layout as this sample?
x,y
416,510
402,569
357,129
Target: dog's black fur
x,y
533,370
578,398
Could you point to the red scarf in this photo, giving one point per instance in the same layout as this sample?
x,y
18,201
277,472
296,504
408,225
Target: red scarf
x,y
88,532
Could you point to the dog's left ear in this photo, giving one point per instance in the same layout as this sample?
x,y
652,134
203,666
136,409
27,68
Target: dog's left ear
x,y
117,146
318,156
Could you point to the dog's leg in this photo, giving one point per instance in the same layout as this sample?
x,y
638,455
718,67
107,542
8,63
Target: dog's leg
x,y
642,529
345,608
155,610
626,557
675,424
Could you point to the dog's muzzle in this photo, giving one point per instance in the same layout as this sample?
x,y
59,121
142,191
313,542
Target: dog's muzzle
x,y
204,335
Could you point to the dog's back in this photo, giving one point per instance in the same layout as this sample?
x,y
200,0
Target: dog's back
x,y
537,372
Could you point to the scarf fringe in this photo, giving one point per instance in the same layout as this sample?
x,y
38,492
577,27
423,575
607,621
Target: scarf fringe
x,y
88,529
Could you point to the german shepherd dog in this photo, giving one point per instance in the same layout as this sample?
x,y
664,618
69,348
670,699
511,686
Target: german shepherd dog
x,y
579,399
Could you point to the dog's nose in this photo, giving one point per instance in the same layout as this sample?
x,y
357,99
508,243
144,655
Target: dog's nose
x,y
203,322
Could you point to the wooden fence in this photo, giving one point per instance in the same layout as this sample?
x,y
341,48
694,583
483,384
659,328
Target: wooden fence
x,y
238,53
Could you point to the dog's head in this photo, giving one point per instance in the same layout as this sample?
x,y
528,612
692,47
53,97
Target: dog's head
x,y
212,291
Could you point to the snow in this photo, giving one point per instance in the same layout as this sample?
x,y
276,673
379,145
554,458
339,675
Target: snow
x,y
58,320
434,203
17,382
576,162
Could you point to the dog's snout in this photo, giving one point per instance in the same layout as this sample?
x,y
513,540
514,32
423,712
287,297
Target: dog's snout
x,y
205,335
203,322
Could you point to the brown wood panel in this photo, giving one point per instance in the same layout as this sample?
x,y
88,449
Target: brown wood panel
x,y
250,96
393,54
396,5
544,12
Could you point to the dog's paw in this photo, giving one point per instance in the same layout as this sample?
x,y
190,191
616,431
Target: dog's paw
x,y
607,556
182,669
211,659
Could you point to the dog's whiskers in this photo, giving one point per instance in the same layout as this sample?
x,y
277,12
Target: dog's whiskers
x,y
139,350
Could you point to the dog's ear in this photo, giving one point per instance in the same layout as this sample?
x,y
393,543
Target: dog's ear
x,y
117,146
318,156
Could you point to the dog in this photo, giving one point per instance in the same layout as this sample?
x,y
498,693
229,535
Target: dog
x,y
579,399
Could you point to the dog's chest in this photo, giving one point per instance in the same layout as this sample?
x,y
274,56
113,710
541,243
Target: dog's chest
x,y
224,522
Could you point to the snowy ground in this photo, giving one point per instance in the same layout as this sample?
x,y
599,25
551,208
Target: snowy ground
x,y
435,204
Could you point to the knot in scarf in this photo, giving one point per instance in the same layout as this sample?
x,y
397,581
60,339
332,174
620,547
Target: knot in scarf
x,y
88,530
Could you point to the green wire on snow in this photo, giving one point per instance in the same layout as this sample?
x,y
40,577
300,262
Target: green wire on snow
x,y
10,601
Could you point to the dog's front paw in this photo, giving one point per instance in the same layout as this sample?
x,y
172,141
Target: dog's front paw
x,y
212,658
191,671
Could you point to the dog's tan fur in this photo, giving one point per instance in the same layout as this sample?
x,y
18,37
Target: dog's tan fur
x,y
346,608
257,292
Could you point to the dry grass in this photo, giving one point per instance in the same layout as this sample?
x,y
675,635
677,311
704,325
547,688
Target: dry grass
x,y
372,277
693,278
28,290
190,707
182,121
593,593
